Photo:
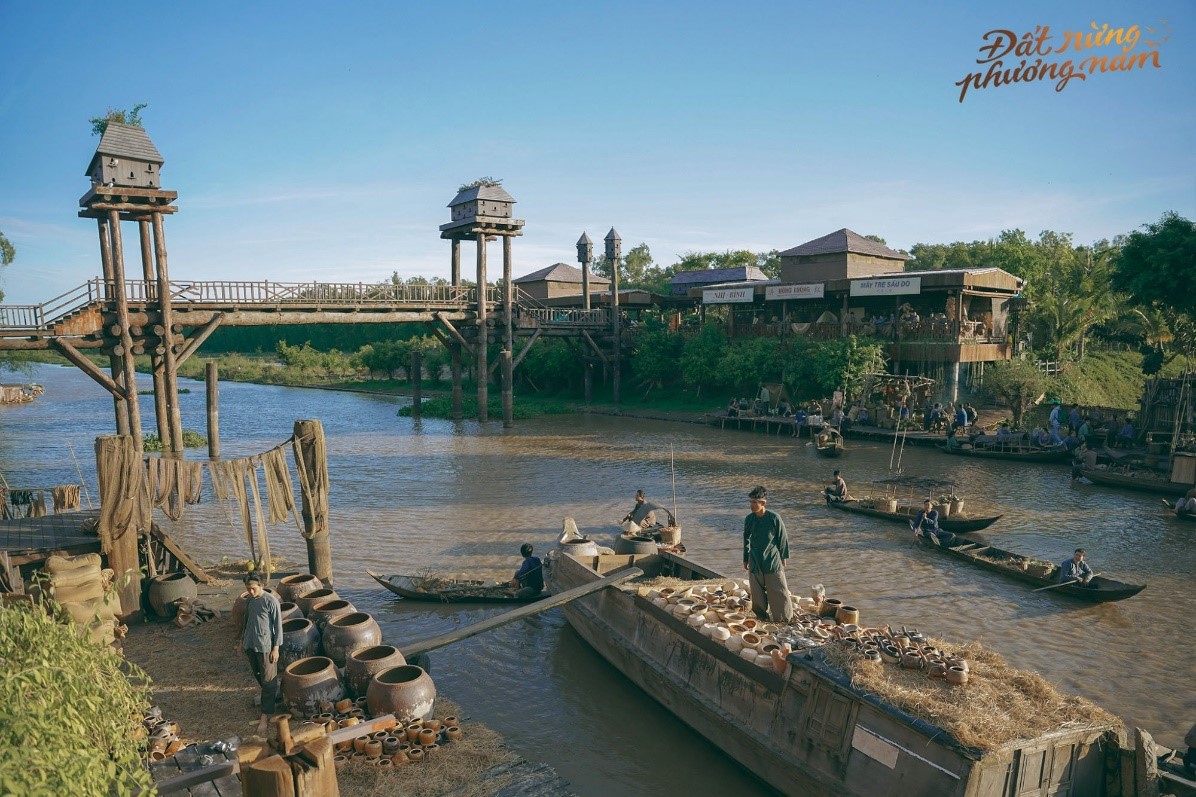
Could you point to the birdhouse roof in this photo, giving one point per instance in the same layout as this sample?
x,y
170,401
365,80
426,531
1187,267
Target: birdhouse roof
x,y
495,193
126,141
844,240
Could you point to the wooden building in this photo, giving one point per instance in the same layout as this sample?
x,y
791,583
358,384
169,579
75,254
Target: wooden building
x,y
685,281
842,253
558,280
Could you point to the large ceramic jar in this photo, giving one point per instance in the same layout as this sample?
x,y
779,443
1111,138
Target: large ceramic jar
x,y
362,664
314,598
292,587
290,611
239,608
350,632
321,613
406,691
166,589
300,640
309,682
639,544
582,547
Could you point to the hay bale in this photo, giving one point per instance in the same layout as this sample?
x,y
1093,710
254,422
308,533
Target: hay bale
x,y
61,565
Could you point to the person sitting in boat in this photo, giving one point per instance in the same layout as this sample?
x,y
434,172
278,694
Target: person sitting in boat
x,y
1076,569
961,419
1125,438
643,514
838,489
1187,503
1003,430
1072,441
529,578
926,525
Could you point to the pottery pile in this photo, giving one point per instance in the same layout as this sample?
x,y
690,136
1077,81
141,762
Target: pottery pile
x,y
414,743
160,735
910,650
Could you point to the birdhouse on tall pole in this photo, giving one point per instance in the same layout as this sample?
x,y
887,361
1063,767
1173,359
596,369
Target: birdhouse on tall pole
x,y
585,254
480,210
614,251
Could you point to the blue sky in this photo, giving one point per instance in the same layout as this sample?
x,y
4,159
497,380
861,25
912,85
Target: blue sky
x,y
322,141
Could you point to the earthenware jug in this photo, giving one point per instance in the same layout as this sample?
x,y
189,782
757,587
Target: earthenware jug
x,y
405,691
364,663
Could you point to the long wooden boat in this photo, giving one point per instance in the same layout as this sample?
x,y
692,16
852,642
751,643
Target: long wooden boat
x,y
1143,481
904,514
1020,568
449,590
1189,516
1019,453
809,732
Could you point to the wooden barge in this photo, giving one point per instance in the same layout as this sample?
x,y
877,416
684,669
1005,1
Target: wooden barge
x,y
808,732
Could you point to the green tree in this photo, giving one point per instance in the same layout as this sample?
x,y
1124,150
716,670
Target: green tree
x,y
654,362
119,115
745,364
817,368
700,356
1159,265
636,268
7,254
1018,384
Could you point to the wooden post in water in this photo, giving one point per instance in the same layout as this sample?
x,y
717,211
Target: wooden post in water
x,y
212,382
483,370
166,311
508,396
132,405
455,352
417,378
312,460
161,407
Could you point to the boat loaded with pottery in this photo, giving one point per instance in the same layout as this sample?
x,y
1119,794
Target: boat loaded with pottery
x,y
789,703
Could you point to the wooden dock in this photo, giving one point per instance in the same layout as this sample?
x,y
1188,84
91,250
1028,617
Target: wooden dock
x,y
770,424
31,540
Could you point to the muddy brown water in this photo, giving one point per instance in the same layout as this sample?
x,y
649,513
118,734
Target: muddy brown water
x,y
409,496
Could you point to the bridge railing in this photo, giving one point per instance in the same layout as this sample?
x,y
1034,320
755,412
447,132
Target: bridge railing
x,y
565,316
40,316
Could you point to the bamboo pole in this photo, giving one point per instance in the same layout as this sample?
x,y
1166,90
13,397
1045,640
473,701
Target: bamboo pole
x,y
212,382
312,460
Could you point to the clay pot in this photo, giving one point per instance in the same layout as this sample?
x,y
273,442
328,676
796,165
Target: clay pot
x,y
406,691
289,611
912,661
751,640
340,760
433,725
431,750
872,656
830,607
956,661
372,760
427,736
348,721
315,597
300,640
344,705
292,587
363,664
373,747
308,682
453,733
937,671
328,610
582,547
390,745
385,762
415,755
239,608
847,615
411,732
359,744
166,589
348,633
957,676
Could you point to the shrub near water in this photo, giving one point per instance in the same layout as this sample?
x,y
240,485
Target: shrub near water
x,y
69,710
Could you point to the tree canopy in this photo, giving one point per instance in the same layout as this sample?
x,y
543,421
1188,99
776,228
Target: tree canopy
x,y
1159,265
119,115
8,253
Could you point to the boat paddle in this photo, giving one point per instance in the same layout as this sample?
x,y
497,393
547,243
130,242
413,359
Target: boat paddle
x,y
1063,583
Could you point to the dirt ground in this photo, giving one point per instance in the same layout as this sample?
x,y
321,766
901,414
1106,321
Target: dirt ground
x,y
200,682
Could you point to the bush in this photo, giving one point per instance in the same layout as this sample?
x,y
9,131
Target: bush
x,y
69,710
191,439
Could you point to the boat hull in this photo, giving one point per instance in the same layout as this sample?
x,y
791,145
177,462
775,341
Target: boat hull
x,y
953,525
1060,456
404,587
808,733
1146,485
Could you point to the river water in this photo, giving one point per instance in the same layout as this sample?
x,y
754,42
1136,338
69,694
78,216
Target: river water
x,y
408,496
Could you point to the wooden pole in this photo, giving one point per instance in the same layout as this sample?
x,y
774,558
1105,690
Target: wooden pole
x,y
413,649
614,323
417,374
212,381
132,404
585,284
166,311
455,352
456,249
508,395
114,364
118,463
481,345
161,408
313,481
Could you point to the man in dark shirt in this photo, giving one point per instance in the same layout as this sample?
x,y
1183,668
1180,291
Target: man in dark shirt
x,y
260,640
529,578
765,553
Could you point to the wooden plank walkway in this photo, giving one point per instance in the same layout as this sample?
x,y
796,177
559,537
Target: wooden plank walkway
x,y
32,540
190,759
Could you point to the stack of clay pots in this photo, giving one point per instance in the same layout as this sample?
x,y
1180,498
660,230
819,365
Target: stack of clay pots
x,y
86,595
161,735
414,743
914,653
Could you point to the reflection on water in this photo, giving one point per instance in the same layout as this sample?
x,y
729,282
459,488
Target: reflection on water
x,y
408,496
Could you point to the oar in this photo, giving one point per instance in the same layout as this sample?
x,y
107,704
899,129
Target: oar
x,y
1063,583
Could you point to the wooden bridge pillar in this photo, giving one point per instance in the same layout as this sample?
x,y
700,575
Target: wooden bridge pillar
x,y
165,311
481,344
114,364
508,370
161,406
125,356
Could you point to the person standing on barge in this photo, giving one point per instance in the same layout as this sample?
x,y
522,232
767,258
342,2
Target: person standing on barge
x,y
765,553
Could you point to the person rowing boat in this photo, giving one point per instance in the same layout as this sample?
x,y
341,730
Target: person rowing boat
x,y
926,525
643,514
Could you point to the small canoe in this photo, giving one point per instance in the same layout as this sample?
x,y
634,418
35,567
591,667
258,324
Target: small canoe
x,y
905,514
828,444
1144,481
449,590
1189,516
1017,453
1007,563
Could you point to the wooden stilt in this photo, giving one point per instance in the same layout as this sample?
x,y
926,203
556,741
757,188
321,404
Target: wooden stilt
x,y
508,395
455,353
456,273
212,382
508,306
481,345
161,411
132,405
122,543
115,367
166,311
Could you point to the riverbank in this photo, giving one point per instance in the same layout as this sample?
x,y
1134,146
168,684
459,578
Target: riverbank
x,y
203,685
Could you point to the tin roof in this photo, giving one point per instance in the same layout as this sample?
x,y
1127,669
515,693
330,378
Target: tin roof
x,y
560,272
844,240
126,141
